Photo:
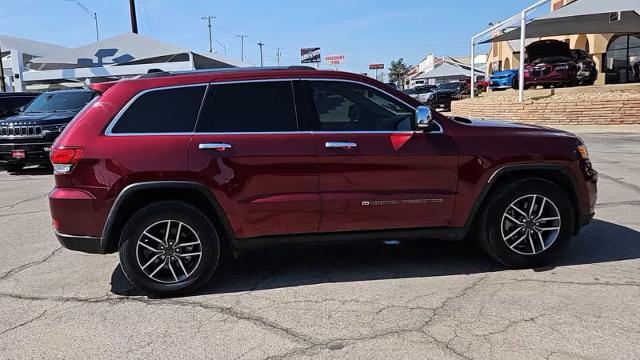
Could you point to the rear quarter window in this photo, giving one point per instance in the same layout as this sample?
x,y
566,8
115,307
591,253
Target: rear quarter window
x,y
173,110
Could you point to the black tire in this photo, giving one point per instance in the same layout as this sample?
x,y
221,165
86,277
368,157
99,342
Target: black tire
x,y
490,233
13,167
177,212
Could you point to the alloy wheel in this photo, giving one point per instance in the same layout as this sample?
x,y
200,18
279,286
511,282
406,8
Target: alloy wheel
x,y
168,251
530,224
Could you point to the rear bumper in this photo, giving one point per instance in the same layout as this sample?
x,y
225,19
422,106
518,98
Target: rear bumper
x,y
88,244
78,219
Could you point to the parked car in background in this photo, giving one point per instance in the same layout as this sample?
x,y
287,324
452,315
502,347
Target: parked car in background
x,y
586,73
173,171
447,92
549,63
501,80
26,138
421,93
10,103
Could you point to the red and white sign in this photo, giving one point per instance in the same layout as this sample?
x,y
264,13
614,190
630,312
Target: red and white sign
x,y
376,66
334,59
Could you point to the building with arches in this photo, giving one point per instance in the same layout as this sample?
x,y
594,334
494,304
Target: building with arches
x,y
617,56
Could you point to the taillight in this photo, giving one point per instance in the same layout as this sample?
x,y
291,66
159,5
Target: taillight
x,y
64,159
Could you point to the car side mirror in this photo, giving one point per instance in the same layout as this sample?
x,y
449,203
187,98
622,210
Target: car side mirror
x,y
22,109
424,117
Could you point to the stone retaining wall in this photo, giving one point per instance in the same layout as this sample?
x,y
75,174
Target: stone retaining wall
x,y
575,109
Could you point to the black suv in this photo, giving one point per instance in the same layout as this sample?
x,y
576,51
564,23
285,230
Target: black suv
x,y
26,138
10,103
446,92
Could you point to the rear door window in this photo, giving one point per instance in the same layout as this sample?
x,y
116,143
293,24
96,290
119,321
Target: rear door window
x,y
173,110
249,107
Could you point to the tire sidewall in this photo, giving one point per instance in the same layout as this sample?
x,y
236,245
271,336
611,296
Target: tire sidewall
x,y
501,250
153,213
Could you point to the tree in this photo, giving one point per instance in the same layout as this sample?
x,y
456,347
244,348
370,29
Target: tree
x,y
397,71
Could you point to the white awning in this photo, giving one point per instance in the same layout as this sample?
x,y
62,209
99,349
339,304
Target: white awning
x,y
582,17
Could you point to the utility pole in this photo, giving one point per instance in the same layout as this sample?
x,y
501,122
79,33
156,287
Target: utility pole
x,y
209,18
278,54
134,20
93,14
260,44
2,85
242,46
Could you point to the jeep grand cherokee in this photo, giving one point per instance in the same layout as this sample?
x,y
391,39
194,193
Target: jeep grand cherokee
x,y
175,169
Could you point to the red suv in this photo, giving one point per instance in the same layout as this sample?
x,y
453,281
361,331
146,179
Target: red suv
x,y
174,170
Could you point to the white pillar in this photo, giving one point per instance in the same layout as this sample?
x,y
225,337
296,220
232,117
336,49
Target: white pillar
x,y
523,23
473,67
16,68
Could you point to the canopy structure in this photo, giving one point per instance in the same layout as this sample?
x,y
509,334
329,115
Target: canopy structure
x,y
34,63
447,70
582,17
125,49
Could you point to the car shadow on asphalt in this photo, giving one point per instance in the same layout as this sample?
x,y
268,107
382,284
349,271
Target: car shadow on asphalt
x,y
308,264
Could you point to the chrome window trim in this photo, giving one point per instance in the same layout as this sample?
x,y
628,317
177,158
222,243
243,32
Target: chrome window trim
x,y
108,131
112,124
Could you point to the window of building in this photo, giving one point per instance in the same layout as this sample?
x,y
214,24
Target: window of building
x,y
249,107
162,111
622,61
345,106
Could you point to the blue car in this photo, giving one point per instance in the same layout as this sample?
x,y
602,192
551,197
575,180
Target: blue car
x,y
503,79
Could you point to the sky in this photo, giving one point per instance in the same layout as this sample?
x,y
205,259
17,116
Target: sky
x,y
364,31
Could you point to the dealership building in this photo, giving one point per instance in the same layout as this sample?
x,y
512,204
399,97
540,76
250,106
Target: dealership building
x,y
36,65
617,56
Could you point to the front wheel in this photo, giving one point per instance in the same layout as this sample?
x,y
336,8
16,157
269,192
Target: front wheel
x,y
169,248
526,223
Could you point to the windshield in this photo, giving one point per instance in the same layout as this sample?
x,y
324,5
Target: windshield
x,y
409,91
59,101
449,86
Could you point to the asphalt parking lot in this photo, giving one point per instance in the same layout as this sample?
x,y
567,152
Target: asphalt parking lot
x,y
412,300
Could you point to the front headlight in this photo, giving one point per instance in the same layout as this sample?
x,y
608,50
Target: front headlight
x,y
562,67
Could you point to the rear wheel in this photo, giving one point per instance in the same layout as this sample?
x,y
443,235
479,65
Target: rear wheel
x,y
526,223
168,249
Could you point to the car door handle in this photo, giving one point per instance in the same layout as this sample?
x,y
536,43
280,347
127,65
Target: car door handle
x,y
215,146
340,145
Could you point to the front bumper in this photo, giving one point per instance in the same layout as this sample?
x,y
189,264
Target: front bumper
x,y
35,153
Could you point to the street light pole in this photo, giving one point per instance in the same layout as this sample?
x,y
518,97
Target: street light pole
x,y
242,46
208,18
278,54
134,18
260,44
93,14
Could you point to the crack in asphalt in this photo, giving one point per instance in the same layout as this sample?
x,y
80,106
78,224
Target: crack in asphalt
x,y
618,203
228,311
628,185
31,264
417,329
36,197
24,323
583,283
24,213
